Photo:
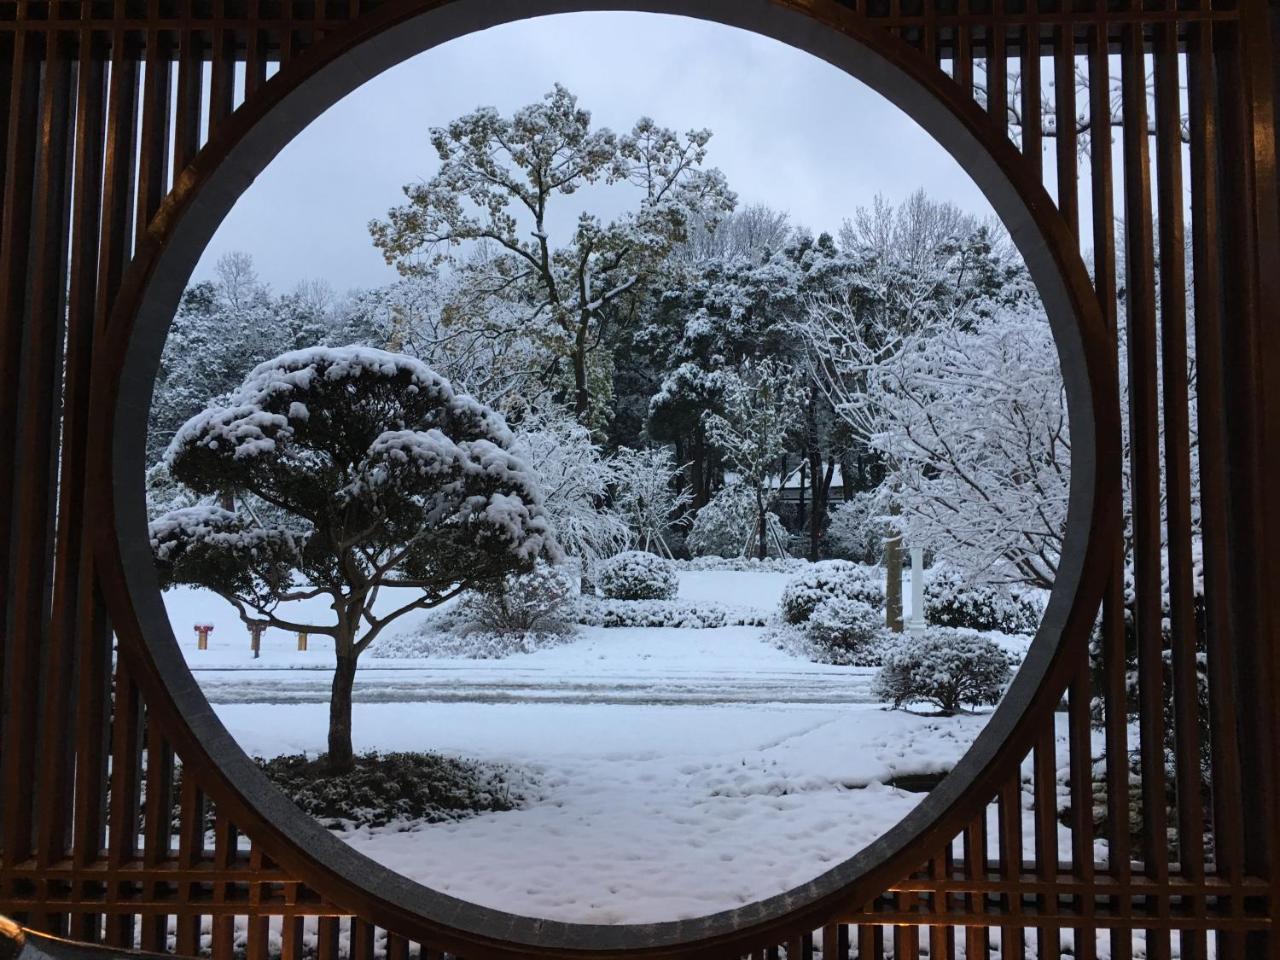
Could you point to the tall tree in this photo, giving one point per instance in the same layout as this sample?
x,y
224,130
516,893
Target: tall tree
x,y
498,181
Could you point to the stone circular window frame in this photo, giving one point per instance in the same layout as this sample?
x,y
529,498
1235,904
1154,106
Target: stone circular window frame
x,y
126,365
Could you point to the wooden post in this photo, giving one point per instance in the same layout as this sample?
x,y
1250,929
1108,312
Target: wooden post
x,y
255,638
893,582
202,635
302,641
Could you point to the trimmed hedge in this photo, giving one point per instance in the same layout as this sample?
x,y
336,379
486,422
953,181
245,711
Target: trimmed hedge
x,y
825,580
636,575
952,601
946,667
597,612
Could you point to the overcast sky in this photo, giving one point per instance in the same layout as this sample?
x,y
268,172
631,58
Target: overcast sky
x,y
790,131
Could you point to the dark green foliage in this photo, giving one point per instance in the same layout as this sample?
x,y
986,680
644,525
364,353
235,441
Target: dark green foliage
x,y
385,788
952,602
948,668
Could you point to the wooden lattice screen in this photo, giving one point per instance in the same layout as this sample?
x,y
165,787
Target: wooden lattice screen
x,y
105,103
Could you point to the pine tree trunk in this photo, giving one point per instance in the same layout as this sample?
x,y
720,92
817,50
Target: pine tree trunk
x,y
893,583
341,758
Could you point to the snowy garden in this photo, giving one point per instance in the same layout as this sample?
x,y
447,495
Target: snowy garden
x,y
623,573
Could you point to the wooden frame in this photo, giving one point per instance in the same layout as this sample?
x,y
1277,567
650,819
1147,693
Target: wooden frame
x,y
110,193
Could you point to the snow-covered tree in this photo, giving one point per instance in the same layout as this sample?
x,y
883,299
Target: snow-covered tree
x,y
356,472
225,327
970,416
501,180
645,494
728,527
761,407
575,479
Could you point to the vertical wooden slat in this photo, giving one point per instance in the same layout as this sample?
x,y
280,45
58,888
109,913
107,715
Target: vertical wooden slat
x,y
221,71
977,938
291,940
1228,841
1064,91
191,817
114,248
362,933
1177,464
34,464
1144,439
1248,235
963,70
906,936
190,93
997,77
256,946
157,829
255,58
1010,832
1113,641
122,837
225,844
153,156
830,943
1029,78
15,253
1045,793
56,837
77,607
327,938
1080,723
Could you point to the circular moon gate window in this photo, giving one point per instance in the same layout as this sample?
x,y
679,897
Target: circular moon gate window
x,y
720,721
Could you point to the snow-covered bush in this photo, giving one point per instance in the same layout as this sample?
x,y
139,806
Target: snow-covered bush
x,y
953,601
467,644
826,579
522,603
744,564
727,526
944,666
597,612
401,788
855,530
636,575
847,630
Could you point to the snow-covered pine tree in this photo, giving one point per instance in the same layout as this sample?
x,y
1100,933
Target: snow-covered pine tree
x,y
497,181
356,472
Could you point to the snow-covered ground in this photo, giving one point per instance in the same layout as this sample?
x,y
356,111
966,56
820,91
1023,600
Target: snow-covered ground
x,y
678,772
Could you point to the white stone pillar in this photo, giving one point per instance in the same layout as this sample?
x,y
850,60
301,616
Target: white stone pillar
x,y
917,622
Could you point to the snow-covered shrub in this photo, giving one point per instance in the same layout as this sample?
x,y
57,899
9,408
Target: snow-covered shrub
x,y
953,601
726,527
744,564
636,575
395,788
522,603
597,612
847,630
826,579
855,530
944,666
464,644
